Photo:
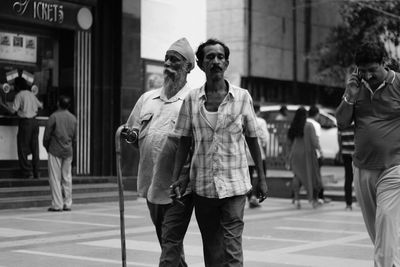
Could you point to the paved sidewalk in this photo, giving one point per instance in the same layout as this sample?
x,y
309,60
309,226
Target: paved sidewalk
x,y
275,235
337,172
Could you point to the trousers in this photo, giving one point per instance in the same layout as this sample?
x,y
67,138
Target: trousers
x,y
171,222
378,194
221,225
60,176
348,179
28,143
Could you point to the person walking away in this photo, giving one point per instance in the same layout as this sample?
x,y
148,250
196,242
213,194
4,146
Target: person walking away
x,y
219,118
313,116
263,139
59,139
151,124
346,144
280,124
26,106
304,143
371,100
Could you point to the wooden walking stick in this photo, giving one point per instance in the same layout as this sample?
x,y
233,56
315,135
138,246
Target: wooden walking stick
x,y
121,192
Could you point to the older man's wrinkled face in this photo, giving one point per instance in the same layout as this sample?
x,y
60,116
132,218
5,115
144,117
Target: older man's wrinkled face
x,y
175,71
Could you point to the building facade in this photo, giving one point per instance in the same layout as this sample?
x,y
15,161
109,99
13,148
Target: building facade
x,y
91,50
69,47
272,45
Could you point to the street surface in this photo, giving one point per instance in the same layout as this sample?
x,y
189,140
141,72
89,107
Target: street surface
x,y
275,235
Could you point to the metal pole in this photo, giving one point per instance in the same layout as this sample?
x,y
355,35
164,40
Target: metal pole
x,y
294,87
121,193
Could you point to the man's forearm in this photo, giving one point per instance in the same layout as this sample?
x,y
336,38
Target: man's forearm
x,y
7,108
255,152
181,156
344,114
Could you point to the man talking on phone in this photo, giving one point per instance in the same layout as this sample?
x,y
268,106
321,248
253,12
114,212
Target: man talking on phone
x,y
372,100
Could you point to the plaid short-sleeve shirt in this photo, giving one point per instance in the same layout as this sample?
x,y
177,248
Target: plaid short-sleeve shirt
x,y
219,166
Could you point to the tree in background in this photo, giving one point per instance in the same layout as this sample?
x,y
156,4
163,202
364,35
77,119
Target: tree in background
x,y
362,20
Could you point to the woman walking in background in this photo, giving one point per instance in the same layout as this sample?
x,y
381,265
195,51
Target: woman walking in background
x,y
303,158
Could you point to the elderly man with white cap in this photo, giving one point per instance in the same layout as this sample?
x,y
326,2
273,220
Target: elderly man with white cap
x,y
150,126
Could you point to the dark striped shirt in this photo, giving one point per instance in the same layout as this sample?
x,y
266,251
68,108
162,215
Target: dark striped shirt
x,y
346,137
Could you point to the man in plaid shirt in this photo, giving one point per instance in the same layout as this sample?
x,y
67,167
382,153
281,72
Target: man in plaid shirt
x,y
219,118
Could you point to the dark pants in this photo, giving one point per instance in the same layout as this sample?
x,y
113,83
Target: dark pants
x,y
348,178
320,193
28,143
221,225
171,222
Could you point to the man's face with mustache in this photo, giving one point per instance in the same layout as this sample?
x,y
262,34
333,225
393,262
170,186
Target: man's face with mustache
x,y
373,73
214,62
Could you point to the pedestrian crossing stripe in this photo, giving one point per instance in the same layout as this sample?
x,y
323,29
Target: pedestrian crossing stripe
x,y
12,232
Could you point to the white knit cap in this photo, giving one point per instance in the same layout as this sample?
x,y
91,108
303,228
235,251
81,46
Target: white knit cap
x,y
183,47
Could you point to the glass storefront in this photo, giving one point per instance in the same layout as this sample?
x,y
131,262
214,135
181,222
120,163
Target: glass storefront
x,y
39,41
35,58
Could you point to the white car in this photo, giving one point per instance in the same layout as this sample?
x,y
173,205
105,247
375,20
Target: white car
x,y
329,131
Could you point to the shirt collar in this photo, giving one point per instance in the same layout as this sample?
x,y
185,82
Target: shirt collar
x,y
231,93
179,96
389,79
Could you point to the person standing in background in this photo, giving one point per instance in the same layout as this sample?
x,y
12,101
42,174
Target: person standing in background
x,y
59,139
282,115
26,106
304,143
346,144
263,140
313,116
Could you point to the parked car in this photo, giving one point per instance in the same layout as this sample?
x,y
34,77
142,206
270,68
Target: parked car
x,y
329,132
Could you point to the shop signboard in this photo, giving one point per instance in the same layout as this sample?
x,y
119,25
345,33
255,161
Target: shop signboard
x,y
48,12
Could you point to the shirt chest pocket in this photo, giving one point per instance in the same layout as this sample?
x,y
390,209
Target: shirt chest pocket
x,y
144,124
234,124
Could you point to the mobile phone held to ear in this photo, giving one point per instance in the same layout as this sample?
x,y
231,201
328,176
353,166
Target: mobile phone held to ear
x,y
357,73
355,78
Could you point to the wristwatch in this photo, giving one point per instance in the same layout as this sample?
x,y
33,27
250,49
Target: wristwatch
x,y
346,99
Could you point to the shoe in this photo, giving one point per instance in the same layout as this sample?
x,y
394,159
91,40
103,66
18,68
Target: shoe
x,y
252,206
349,208
316,204
54,209
327,200
66,209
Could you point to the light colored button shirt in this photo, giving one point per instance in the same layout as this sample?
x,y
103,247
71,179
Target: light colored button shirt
x,y
154,116
316,125
263,140
317,128
219,166
26,104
